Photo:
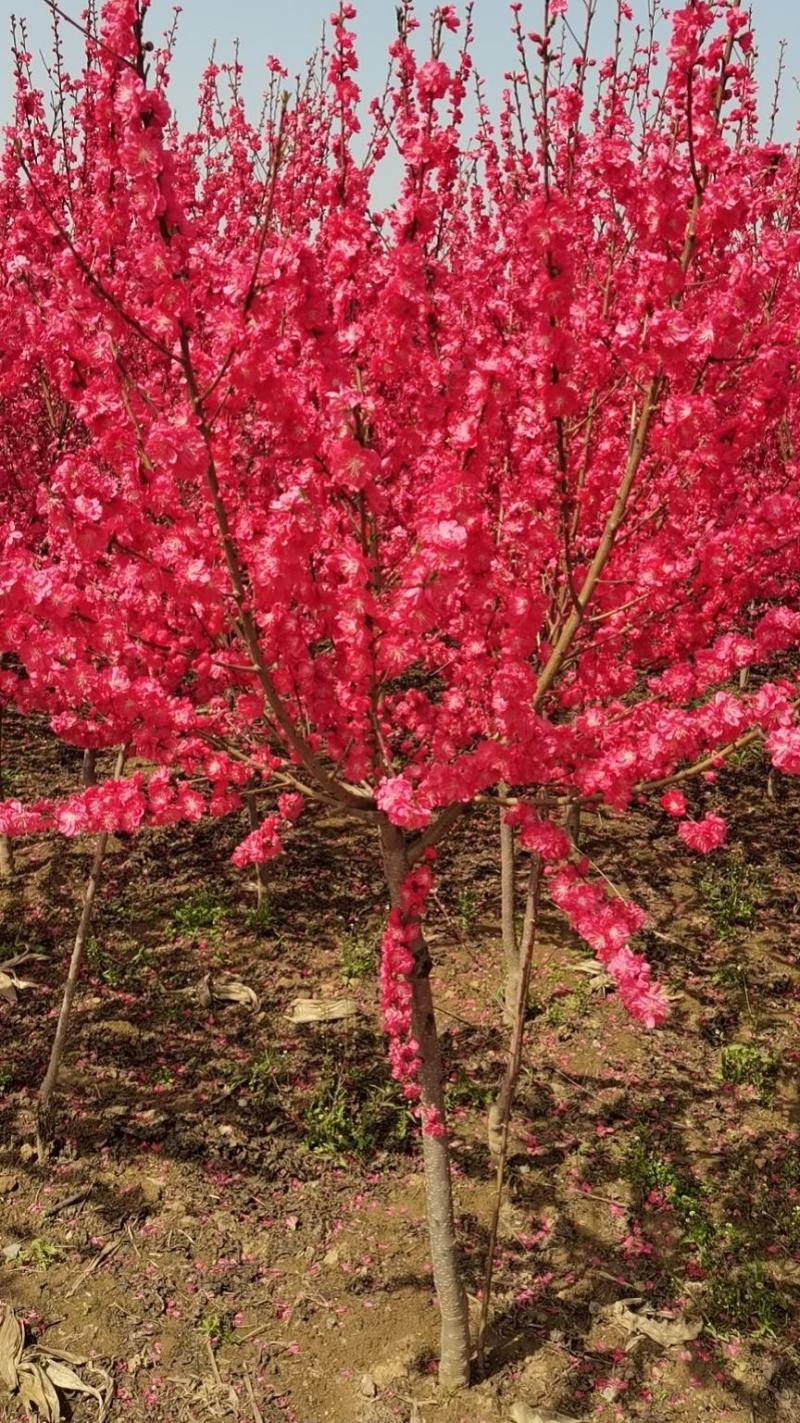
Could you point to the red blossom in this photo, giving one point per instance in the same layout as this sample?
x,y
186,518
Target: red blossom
x,y
494,483
673,802
703,835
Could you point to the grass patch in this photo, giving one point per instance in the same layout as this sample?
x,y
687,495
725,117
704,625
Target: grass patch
x,y
729,894
358,955
260,920
648,1172
740,1295
748,1066
466,912
116,969
218,1327
355,1110
564,1011
40,1253
199,911
462,1090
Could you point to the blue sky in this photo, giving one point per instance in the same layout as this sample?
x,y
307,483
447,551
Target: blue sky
x,y
290,29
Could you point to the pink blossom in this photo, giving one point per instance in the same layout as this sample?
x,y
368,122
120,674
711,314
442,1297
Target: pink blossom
x,y
398,958
290,805
783,745
433,79
606,925
90,509
396,797
673,802
541,837
703,835
259,846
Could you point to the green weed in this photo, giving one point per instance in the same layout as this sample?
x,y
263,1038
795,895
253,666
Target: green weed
x,y
750,755
791,1227
262,1081
261,919
561,1012
466,912
40,1253
748,1066
115,969
648,1172
6,1078
355,1113
740,1295
729,892
102,965
744,1297
730,974
358,955
217,1325
465,1091
200,911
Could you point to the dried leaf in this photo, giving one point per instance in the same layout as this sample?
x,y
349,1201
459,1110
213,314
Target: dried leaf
x,y
204,995
522,1413
10,986
321,1010
77,1361
65,1378
12,1340
494,1128
666,1331
599,980
8,964
225,990
36,1391
34,1374
232,991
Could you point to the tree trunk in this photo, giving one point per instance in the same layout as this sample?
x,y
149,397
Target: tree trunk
x,y
261,870
89,768
44,1108
507,916
6,852
45,1115
501,1107
573,823
455,1341
500,1113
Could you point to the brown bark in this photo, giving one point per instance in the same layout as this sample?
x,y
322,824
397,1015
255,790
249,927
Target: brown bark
x,y
6,852
507,917
261,870
45,1115
500,1112
88,770
455,1341
573,823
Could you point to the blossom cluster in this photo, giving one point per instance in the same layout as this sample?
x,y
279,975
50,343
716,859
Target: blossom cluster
x,y
399,961
606,925
542,837
493,482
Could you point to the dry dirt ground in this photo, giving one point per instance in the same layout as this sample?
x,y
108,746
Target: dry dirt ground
x,y
233,1227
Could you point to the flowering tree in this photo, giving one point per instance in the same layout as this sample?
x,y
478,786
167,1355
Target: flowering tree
x,y
386,508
